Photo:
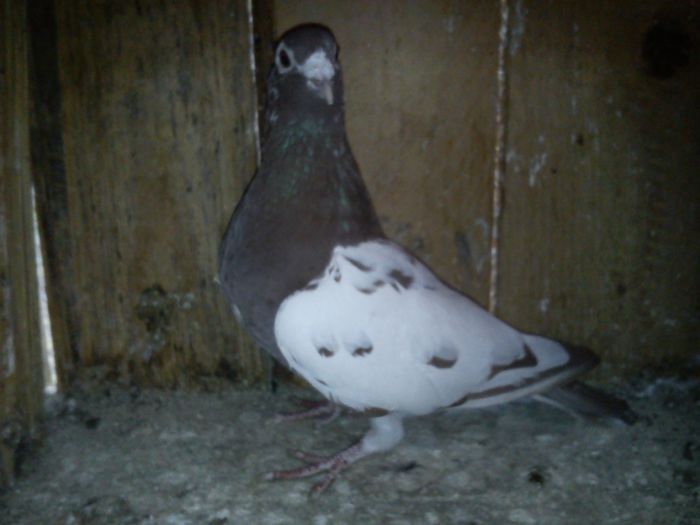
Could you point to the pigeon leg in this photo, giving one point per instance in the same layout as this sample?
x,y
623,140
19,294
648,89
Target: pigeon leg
x,y
332,465
384,434
324,411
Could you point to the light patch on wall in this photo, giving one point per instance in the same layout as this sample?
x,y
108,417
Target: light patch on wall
x,y
8,353
253,71
483,227
536,165
517,30
450,24
594,132
47,349
513,159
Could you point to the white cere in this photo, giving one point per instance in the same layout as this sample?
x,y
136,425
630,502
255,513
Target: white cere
x,y
317,67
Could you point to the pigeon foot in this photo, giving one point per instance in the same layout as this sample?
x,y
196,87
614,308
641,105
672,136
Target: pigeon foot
x,y
385,432
316,464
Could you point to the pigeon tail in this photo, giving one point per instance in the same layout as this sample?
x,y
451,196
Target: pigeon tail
x,y
585,400
550,365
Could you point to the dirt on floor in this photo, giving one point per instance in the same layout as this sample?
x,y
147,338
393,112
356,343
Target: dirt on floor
x,y
127,456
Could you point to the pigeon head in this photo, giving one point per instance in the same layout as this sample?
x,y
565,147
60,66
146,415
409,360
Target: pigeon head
x,y
306,73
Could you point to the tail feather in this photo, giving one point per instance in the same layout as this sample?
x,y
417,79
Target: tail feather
x,y
553,365
586,400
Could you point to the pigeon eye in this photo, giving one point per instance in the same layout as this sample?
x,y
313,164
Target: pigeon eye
x,y
285,59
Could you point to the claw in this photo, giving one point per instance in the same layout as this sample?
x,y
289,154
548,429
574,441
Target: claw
x,y
333,465
324,411
385,432
308,403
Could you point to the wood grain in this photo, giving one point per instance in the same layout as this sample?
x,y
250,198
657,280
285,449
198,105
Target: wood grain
x,y
156,113
21,379
603,214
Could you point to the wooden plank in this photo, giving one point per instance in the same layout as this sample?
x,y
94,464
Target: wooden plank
x,y
603,199
51,187
263,46
158,144
21,381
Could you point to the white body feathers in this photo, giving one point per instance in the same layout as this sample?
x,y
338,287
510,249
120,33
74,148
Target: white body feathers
x,y
378,330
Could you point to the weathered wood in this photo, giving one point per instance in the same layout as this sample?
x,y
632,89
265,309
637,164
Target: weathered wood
x,y
263,47
48,167
603,197
157,109
142,141
599,232
21,380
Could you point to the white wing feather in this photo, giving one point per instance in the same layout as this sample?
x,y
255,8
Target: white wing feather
x,y
379,330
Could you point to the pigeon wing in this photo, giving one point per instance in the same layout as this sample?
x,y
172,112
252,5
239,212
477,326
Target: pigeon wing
x,y
378,330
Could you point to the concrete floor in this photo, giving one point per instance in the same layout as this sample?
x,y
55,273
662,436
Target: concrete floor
x,y
124,456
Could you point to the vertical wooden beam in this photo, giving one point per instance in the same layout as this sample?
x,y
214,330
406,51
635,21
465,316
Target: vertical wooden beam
x,y
264,40
157,111
21,381
51,186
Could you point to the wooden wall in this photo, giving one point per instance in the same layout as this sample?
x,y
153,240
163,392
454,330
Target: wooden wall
x,y
611,221
137,122
602,192
21,381
143,141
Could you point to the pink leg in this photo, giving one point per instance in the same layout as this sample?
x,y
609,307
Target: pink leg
x,y
324,411
333,465
385,432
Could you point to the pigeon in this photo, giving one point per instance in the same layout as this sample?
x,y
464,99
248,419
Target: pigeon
x,y
310,274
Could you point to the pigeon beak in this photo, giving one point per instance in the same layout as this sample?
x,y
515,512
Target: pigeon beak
x,y
325,90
